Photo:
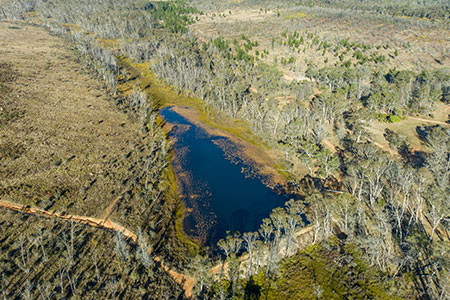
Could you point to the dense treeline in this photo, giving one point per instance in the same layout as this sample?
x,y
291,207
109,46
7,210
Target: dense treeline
x,y
174,15
435,10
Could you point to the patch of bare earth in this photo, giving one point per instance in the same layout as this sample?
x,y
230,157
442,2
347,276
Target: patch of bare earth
x,y
62,143
407,128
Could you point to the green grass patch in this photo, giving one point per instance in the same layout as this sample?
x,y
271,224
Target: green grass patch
x,y
174,15
389,118
192,247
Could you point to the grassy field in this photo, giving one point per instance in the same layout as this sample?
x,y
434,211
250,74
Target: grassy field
x,y
64,145
418,46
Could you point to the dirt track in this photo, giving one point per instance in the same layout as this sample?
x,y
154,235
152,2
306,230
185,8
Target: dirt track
x,y
186,282
94,222
65,115
429,121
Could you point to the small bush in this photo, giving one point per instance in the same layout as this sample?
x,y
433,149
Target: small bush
x,y
389,118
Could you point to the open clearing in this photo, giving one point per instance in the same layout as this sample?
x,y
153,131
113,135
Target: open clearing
x,y
62,143
418,46
407,128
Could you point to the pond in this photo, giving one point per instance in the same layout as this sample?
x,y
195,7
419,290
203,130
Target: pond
x,y
221,192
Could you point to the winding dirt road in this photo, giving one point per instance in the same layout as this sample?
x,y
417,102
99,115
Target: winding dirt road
x,y
94,222
303,237
186,282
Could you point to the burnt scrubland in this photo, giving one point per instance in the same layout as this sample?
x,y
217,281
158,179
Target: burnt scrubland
x,y
349,101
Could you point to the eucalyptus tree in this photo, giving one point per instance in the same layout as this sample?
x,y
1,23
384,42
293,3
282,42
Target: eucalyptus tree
x,y
250,239
293,220
266,230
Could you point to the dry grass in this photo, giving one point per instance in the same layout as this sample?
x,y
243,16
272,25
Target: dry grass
x,y
68,141
234,15
407,128
428,47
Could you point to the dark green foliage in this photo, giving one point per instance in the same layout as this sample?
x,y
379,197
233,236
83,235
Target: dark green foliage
x,y
221,44
241,54
174,14
379,58
317,272
330,270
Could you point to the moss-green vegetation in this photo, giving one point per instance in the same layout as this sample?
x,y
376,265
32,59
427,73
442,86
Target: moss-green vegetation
x,y
329,270
173,14
389,118
192,246
324,271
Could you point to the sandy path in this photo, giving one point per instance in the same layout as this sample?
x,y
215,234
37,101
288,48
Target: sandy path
x,y
186,282
429,121
94,222
109,209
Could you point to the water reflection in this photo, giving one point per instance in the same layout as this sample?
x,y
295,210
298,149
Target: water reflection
x,y
216,188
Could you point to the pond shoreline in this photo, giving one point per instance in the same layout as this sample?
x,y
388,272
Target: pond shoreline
x,y
222,188
251,154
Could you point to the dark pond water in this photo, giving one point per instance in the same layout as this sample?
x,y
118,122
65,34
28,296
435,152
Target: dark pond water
x,y
216,188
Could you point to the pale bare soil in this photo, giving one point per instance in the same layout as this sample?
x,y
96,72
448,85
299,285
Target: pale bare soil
x,y
407,128
63,144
